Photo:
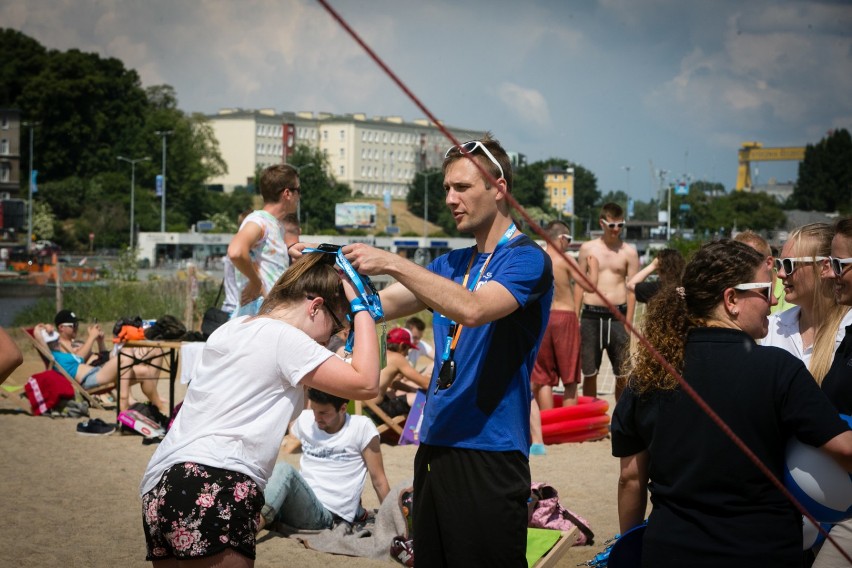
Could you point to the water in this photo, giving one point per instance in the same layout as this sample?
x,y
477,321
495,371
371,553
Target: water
x,y
10,307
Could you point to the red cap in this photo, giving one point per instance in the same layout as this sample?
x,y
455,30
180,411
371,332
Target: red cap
x,y
401,335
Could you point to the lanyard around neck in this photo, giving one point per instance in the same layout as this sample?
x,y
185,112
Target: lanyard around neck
x,y
455,329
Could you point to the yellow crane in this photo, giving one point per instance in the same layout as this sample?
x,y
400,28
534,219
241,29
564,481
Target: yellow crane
x,y
755,152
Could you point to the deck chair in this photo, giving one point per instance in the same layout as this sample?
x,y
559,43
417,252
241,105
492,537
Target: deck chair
x,y
545,547
50,363
388,424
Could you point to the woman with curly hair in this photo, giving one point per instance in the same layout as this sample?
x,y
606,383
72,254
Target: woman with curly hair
x,y
813,328
668,264
202,492
711,505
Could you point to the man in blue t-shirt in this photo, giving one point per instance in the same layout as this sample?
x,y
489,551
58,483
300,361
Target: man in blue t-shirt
x,y
491,304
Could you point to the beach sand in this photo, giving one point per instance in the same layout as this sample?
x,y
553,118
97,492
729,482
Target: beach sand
x,y
72,500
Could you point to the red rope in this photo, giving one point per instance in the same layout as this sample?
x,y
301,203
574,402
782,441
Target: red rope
x,y
550,243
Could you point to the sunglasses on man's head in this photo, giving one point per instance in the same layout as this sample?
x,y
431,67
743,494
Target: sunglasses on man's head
x,y
754,286
470,147
789,264
837,265
614,225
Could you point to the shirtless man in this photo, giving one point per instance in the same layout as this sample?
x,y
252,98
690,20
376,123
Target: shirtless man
x,y
399,372
600,330
559,355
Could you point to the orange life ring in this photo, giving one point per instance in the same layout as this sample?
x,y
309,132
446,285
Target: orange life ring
x,y
577,425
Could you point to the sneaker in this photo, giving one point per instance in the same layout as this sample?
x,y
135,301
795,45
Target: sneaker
x,y
402,551
95,427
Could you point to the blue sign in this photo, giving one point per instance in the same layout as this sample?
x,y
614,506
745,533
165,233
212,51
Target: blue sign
x,y
387,196
33,182
630,212
681,189
685,207
159,185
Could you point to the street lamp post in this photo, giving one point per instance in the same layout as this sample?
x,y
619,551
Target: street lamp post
x,y
163,133
627,169
132,163
31,126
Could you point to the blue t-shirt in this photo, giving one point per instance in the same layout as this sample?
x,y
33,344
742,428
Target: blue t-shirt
x,y
488,405
68,361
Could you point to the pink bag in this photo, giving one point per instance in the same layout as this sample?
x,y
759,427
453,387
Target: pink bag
x,y
546,512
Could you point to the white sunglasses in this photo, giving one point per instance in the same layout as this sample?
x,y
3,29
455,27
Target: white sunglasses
x,y
789,264
470,147
756,286
837,265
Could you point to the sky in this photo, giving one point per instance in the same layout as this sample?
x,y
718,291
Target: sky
x,y
625,88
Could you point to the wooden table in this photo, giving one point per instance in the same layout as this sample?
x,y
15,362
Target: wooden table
x,y
168,361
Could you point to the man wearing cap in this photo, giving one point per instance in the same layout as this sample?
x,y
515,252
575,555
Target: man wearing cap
x,y
66,323
399,381
491,303
259,249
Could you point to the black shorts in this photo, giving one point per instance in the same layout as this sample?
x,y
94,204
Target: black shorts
x,y
470,507
196,511
599,332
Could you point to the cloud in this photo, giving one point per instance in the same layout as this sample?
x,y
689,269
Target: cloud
x,y
528,105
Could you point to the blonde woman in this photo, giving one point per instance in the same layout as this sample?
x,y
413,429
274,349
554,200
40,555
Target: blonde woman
x,y
814,327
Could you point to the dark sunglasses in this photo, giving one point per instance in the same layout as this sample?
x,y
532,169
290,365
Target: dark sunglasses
x,y
789,264
837,265
338,325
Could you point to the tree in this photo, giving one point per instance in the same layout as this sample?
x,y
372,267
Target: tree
x,y
320,190
825,175
23,58
438,212
43,220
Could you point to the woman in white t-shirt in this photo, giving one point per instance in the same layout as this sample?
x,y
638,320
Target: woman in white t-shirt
x,y
813,328
203,489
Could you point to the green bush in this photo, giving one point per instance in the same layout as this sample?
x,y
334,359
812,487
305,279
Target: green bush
x,y
107,301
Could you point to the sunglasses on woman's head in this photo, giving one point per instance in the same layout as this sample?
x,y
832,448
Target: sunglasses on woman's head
x,y
789,264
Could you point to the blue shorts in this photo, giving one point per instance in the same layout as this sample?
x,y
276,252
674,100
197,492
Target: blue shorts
x,y
90,381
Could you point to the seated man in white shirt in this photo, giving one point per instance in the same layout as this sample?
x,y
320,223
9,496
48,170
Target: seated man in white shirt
x,y
423,349
338,450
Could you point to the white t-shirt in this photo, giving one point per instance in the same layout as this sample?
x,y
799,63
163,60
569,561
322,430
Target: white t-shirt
x,y
423,350
333,464
784,333
269,254
244,393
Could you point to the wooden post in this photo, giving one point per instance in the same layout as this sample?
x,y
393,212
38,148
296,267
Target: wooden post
x,y
58,267
191,295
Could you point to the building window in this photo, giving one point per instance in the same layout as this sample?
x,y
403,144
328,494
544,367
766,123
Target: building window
x,y
325,134
4,122
5,172
342,170
342,152
4,146
342,135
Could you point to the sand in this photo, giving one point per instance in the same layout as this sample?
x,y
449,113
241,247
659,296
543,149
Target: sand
x,y
72,500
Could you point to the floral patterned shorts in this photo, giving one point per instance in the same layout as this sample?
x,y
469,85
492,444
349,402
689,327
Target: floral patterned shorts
x,y
196,511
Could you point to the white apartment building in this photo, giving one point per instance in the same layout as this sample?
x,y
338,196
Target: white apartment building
x,y
368,154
